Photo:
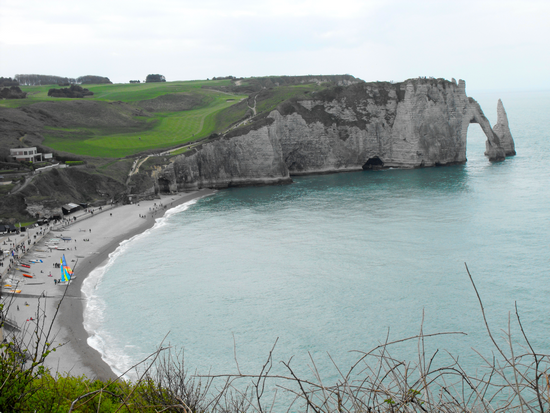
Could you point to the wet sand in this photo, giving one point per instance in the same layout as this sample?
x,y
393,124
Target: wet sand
x,y
92,239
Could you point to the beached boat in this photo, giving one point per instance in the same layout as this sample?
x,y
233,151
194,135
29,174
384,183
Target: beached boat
x,y
27,275
66,271
25,265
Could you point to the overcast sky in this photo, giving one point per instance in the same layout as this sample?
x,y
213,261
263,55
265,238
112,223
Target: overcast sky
x,y
492,44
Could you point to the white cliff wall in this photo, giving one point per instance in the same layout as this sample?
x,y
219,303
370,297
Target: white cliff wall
x,y
251,159
422,122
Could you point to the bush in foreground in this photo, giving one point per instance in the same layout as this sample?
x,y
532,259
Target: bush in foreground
x,y
516,379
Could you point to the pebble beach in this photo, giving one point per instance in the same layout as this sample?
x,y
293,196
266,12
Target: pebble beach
x,y
31,289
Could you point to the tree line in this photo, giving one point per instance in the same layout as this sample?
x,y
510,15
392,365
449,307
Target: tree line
x,y
8,82
38,80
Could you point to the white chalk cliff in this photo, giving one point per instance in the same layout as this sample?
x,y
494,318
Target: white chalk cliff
x,y
417,123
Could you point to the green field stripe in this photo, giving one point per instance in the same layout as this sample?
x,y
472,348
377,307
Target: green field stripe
x,y
170,128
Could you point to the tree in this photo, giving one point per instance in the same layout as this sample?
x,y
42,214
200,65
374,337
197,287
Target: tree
x,y
155,78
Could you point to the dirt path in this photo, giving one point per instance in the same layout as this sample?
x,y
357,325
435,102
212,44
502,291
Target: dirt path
x,y
253,108
28,180
135,168
254,113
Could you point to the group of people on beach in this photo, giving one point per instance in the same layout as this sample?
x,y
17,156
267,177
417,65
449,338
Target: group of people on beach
x,y
13,254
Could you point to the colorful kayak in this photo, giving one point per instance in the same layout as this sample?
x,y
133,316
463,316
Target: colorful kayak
x,y
27,275
25,265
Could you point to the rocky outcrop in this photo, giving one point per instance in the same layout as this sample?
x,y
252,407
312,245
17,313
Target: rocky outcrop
x,y
417,123
502,130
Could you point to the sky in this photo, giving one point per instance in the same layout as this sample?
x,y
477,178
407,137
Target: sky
x,y
492,44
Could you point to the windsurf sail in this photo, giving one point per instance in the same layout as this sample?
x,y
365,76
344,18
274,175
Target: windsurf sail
x,y
66,271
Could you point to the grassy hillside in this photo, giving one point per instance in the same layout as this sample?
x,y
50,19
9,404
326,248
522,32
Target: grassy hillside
x,y
158,130
122,120
166,115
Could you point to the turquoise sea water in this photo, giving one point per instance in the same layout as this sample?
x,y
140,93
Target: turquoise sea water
x,y
336,263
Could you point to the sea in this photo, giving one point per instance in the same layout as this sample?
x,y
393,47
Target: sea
x,y
318,272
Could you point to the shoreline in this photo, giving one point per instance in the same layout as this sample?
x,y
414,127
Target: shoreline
x,y
103,233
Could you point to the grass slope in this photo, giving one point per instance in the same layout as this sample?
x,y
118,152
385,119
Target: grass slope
x,y
158,115
162,130
156,130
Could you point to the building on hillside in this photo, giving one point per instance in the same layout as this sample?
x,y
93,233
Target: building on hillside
x,y
29,155
26,154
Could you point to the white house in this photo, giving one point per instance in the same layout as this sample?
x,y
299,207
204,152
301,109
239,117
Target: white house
x,y
28,154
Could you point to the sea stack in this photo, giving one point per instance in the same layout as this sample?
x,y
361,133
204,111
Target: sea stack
x,y
502,130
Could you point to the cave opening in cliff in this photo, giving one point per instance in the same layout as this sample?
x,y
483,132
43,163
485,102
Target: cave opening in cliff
x,y
164,186
373,163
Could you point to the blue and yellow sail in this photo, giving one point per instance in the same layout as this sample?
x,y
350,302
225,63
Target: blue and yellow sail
x,y
66,271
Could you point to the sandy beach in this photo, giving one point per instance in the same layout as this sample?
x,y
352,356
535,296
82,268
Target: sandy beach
x,y
86,242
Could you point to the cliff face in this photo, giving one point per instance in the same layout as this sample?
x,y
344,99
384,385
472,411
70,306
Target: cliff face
x,y
420,122
251,159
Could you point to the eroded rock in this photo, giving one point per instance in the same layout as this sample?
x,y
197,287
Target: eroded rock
x,y
502,130
417,123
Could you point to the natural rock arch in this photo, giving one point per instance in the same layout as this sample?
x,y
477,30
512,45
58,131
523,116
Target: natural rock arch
x,y
417,123
493,147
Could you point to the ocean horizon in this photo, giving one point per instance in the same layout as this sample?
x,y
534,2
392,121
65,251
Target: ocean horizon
x,y
340,263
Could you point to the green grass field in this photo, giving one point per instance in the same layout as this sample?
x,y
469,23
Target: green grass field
x,y
170,129
215,111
